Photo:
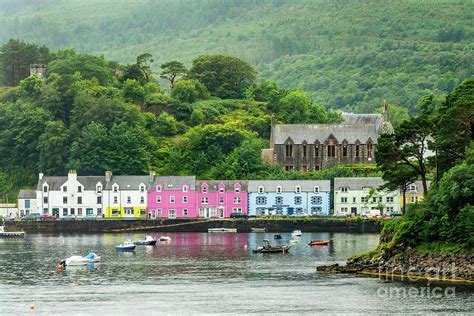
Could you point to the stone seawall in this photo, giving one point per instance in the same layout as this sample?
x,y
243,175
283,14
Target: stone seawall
x,y
193,225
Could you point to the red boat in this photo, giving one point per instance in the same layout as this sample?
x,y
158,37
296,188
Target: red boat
x,y
319,242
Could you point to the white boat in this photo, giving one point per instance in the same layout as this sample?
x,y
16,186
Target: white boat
x,y
296,233
258,230
165,238
3,233
128,245
79,260
222,230
149,241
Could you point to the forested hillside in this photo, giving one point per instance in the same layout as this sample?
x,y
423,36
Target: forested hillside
x,y
347,54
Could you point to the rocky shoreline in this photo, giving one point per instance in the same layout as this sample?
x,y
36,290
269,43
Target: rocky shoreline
x,y
410,265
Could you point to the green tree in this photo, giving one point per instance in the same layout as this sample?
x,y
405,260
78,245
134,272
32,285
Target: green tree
x,y
226,77
189,91
52,147
173,71
133,92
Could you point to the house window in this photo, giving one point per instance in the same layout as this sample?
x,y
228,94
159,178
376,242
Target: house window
x,y
343,200
344,209
27,204
79,189
64,188
99,189
158,212
261,189
344,150
237,210
316,189
357,151
261,200
158,199
369,150
73,212
289,150
158,188
316,168
185,212
305,151
45,200
221,200
45,188
172,213
79,212
304,168
279,200
64,211
185,188
390,209
221,189
142,200
79,200
171,199
316,151
115,188
204,200
185,199
316,210
237,200
279,189
289,167
298,200
298,189
99,200
364,199
316,200
115,212
344,189
412,187
414,199
204,189
64,199
129,200
331,151
354,200
99,211
142,212
142,189
115,200
374,200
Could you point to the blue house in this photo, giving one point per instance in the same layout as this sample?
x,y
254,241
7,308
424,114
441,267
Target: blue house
x,y
289,197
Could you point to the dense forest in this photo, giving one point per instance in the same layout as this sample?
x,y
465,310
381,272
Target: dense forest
x,y
345,54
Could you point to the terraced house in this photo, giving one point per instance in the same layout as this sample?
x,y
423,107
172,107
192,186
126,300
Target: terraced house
x,y
221,198
361,196
308,147
76,196
126,196
289,198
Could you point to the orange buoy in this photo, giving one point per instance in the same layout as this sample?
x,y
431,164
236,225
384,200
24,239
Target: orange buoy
x,y
32,306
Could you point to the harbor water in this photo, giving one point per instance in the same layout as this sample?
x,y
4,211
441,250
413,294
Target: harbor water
x,y
202,273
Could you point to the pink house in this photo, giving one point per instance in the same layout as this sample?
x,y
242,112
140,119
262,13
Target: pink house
x,y
221,198
172,197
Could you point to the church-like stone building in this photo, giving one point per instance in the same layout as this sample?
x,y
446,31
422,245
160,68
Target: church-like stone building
x,y
309,147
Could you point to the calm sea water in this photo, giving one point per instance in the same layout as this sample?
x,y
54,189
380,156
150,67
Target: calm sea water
x,y
199,273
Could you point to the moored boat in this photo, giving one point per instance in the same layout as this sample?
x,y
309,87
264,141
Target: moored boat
x,y
5,234
319,242
165,238
258,230
222,230
126,246
277,236
79,260
296,233
149,241
268,248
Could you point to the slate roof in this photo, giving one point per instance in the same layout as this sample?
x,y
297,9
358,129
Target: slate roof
x,y
419,187
213,185
362,119
290,185
55,183
128,182
27,194
174,182
357,183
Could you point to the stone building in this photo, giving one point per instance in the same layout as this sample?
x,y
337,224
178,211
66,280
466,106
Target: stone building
x,y
308,147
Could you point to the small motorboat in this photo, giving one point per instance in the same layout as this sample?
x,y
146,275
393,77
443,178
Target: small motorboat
x,y
165,238
79,260
149,241
296,233
319,242
3,233
222,230
126,246
295,241
268,248
258,230
277,236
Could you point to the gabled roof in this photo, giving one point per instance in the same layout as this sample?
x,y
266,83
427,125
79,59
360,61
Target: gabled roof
x,y
419,187
358,183
362,119
175,182
290,185
27,194
213,185
128,182
55,183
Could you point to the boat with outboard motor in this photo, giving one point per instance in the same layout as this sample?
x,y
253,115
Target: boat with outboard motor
x,y
269,248
319,242
149,241
126,246
296,233
165,238
5,234
80,260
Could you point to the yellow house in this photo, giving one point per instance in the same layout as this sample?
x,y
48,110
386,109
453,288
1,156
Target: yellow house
x,y
414,194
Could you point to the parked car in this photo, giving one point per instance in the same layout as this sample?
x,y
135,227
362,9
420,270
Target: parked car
x,y
238,215
48,217
68,218
31,217
90,218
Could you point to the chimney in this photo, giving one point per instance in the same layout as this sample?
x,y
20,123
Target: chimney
x,y
272,137
72,175
40,176
152,176
108,176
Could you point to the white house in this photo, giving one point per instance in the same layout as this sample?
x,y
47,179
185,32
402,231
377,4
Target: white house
x,y
126,196
360,196
8,210
27,202
71,195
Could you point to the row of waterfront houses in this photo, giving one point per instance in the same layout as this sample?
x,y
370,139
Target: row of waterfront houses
x,y
152,196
